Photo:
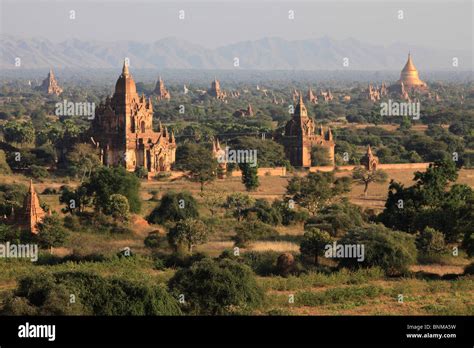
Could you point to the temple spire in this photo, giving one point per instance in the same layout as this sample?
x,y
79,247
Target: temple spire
x,y
125,71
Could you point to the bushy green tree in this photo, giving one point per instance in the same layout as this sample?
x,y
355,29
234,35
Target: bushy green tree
x,y
75,200
239,203
174,206
4,167
249,176
430,241
314,242
82,160
189,233
217,287
316,190
49,294
118,207
19,132
337,218
264,212
51,232
106,181
252,230
430,202
390,250
198,161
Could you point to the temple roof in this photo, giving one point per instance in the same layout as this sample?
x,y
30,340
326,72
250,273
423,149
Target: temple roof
x,y
409,66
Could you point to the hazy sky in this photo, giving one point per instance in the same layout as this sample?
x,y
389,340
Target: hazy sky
x,y
213,23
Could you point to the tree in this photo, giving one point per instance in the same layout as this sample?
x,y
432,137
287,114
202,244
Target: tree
x,y
19,132
198,161
118,207
393,251
217,287
337,218
75,200
270,153
9,234
365,177
264,212
213,200
252,230
106,181
238,203
49,294
82,160
4,167
188,232
429,202
249,176
51,232
174,206
313,243
430,241
316,190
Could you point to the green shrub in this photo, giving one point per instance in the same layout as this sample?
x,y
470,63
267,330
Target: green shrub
x,y
391,250
38,172
337,219
248,231
262,263
174,206
217,287
430,241
153,240
314,242
94,295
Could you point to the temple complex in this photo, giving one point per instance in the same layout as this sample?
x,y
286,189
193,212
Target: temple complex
x,y
300,137
409,80
123,132
161,91
50,85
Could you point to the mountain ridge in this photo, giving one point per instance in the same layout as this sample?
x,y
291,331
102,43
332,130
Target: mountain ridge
x,y
268,53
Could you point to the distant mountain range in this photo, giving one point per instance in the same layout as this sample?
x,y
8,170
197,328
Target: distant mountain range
x,y
267,54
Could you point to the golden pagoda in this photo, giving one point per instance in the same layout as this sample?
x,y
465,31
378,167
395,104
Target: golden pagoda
x,y
409,78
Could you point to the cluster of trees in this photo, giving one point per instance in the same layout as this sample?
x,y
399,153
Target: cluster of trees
x,y
433,201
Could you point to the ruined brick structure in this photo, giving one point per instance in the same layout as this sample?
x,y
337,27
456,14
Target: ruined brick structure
x,y
30,215
311,97
123,131
50,85
244,112
161,91
216,91
219,153
369,161
300,136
